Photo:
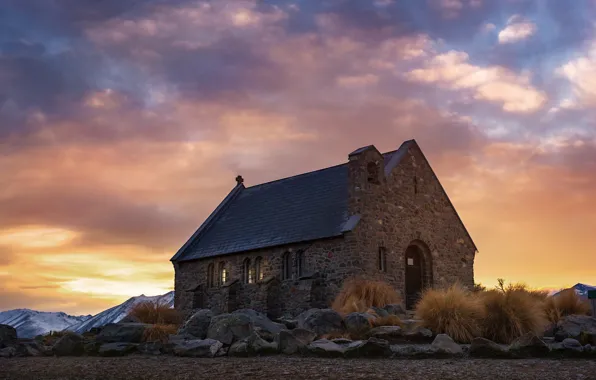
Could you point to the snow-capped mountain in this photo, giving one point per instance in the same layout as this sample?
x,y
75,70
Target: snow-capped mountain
x,y
117,313
581,289
30,323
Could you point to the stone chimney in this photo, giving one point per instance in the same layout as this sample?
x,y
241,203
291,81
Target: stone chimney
x,y
366,173
239,180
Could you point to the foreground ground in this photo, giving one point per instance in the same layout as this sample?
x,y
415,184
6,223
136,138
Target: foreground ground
x,y
290,368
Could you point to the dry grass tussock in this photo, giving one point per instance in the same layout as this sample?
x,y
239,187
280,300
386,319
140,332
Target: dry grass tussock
x,y
454,311
569,303
358,295
511,313
155,313
159,333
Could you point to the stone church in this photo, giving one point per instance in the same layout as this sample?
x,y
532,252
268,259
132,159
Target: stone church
x,y
285,246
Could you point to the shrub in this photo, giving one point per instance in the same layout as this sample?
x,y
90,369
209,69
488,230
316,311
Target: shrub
x,y
390,320
358,295
454,311
511,313
569,303
155,313
159,333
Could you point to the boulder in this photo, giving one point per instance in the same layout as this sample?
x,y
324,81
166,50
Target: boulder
x,y
198,324
395,309
253,345
230,328
326,348
70,344
529,346
574,326
122,333
151,348
117,349
321,321
197,348
379,311
371,347
288,322
8,335
484,348
261,321
444,344
8,352
294,341
393,334
572,344
358,323
418,334
32,348
416,351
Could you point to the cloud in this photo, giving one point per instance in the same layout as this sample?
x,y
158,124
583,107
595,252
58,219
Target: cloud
x,y
517,29
495,84
581,74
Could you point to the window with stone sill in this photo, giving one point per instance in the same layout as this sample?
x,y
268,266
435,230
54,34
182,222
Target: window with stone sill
x,y
382,260
258,271
300,263
222,273
247,272
211,275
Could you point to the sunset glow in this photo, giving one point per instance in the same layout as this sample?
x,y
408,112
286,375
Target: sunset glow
x,y
124,124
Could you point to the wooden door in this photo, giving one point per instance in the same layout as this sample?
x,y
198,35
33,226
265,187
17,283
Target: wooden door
x,y
414,276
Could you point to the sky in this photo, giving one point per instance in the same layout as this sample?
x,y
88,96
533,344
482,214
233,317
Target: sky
x,y
123,123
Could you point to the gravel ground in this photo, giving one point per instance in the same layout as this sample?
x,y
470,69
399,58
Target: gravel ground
x,y
290,368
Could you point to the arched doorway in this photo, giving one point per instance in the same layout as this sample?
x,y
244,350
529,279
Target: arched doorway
x,y
417,274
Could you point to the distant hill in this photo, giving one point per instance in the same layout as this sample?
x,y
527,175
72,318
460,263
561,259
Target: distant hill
x,y
30,323
117,313
580,289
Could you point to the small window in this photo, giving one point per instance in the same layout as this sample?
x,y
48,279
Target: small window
x,y
382,259
246,270
286,266
223,273
211,275
373,172
300,263
258,270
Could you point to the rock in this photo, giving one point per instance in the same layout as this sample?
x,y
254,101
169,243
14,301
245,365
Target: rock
x,y
395,309
392,334
288,322
417,351
230,328
371,347
197,348
253,345
573,326
529,346
117,349
326,348
8,335
70,344
444,344
265,334
151,348
122,333
198,324
321,321
418,334
484,348
379,311
91,348
588,337
358,323
261,321
32,348
8,352
294,341
572,344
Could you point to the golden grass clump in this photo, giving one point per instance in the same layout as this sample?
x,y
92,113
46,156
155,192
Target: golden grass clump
x,y
510,314
569,303
390,320
454,311
155,313
159,333
551,311
358,295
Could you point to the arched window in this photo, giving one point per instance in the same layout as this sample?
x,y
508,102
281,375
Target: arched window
x,y
382,259
211,275
246,269
222,273
258,270
372,169
300,263
286,266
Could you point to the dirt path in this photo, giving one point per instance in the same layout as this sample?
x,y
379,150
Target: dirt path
x,y
290,368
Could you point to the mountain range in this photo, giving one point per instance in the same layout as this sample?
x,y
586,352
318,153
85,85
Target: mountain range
x,y
580,289
30,323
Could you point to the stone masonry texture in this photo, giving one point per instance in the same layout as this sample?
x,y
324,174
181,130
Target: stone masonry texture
x,y
406,208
